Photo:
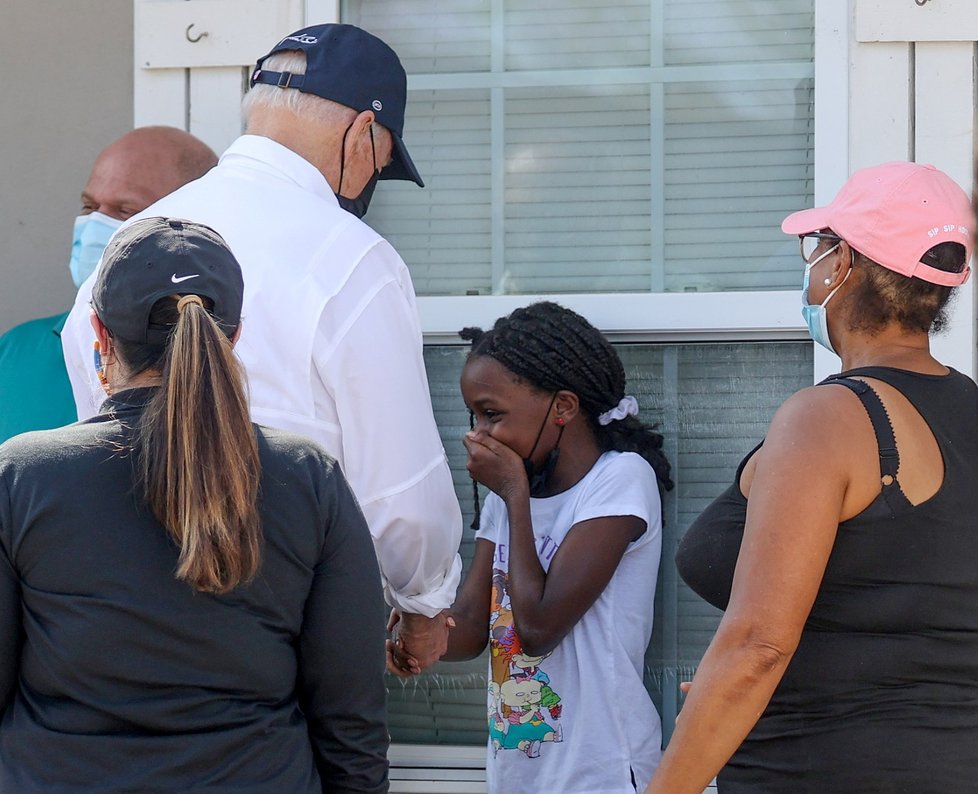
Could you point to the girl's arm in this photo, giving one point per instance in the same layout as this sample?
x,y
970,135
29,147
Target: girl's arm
x,y
795,503
547,605
471,607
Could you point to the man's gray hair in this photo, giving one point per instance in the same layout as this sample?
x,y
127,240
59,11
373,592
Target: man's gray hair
x,y
308,106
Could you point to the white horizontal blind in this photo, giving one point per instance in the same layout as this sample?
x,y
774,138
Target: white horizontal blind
x,y
578,198
599,146
568,34
713,403
444,231
429,36
734,31
738,159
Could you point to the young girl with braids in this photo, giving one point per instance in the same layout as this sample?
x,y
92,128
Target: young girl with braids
x,y
567,553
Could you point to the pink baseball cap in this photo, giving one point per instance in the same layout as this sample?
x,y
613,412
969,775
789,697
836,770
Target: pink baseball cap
x,y
894,213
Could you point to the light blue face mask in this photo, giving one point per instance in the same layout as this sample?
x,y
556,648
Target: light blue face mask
x,y
91,234
815,317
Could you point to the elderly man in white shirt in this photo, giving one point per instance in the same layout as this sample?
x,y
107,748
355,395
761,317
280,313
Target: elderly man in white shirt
x,y
330,337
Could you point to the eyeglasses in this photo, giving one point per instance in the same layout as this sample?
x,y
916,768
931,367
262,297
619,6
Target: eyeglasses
x,y
810,243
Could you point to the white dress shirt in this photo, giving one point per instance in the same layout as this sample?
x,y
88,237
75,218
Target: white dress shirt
x,y
332,346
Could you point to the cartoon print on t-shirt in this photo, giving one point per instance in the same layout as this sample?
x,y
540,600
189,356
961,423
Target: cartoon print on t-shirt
x,y
520,691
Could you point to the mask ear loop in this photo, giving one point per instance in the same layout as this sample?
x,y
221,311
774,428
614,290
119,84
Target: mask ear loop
x,y
527,461
373,154
339,188
373,149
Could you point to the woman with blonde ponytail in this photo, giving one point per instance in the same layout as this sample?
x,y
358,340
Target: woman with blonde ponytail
x,y
188,601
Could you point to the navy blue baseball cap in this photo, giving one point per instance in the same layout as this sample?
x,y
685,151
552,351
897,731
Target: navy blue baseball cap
x,y
152,258
345,64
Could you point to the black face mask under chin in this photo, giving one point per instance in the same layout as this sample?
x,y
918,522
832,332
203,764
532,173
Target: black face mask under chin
x,y
538,478
358,206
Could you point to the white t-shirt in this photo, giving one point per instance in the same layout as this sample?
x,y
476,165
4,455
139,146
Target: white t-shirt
x,y
331,342
579,719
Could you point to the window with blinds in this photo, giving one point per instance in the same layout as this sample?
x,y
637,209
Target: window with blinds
x,y
610,147
712,403
599,145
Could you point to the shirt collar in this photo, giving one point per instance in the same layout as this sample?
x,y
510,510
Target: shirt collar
x,y
128,401
270,155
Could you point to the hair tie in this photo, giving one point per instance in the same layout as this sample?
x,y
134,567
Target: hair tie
x,y
627,406
187,299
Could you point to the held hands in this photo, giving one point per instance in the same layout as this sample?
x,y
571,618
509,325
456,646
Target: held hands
x,y
416,641
495,465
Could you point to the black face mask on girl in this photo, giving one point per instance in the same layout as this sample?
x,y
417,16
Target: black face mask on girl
x,y
358,206
538,478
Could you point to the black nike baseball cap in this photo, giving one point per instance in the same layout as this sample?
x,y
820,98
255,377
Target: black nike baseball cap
x,y
345,64
152,258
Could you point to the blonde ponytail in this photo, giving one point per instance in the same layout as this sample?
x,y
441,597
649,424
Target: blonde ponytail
x,y
198,456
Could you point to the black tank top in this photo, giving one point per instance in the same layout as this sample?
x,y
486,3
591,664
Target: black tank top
x,y
882,692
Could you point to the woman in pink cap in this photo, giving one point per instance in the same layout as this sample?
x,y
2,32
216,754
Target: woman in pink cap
x,y
845,553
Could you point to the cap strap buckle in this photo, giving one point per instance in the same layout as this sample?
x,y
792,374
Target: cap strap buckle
x,y
284,79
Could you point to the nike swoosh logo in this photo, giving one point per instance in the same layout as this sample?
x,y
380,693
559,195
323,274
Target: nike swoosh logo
x,y
177,279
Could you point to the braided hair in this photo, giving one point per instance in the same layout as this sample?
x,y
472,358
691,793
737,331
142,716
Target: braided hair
x,y
552,348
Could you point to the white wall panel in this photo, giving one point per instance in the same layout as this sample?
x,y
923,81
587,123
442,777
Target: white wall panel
x,y
215,104
316,12
160,97
190,56
944,91
187,33
880,120
908,20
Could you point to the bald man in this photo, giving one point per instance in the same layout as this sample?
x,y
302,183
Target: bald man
x,y
129,174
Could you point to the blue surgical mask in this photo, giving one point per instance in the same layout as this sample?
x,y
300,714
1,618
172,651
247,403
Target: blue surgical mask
x,y
815,316
91,234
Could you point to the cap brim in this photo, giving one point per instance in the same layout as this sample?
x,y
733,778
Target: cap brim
x,y
401,165
806,221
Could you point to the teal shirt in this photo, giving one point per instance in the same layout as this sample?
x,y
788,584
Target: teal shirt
x,y
35,393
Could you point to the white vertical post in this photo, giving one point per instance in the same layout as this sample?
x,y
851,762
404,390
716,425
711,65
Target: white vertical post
x,y
944,122
832,124
215,104
317,12
880,103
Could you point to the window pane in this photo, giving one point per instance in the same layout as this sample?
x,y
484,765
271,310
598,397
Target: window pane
x,y
570,34
736,165
429,36
599,146
713,403
443,231
736,31
578,200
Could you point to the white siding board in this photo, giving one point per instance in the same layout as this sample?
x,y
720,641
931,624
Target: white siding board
x,y
215,101
880,99
232,32
906,20
317,12
159,97
944,124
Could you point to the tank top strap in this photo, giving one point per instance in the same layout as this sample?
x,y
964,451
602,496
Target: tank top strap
x,y
889,456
